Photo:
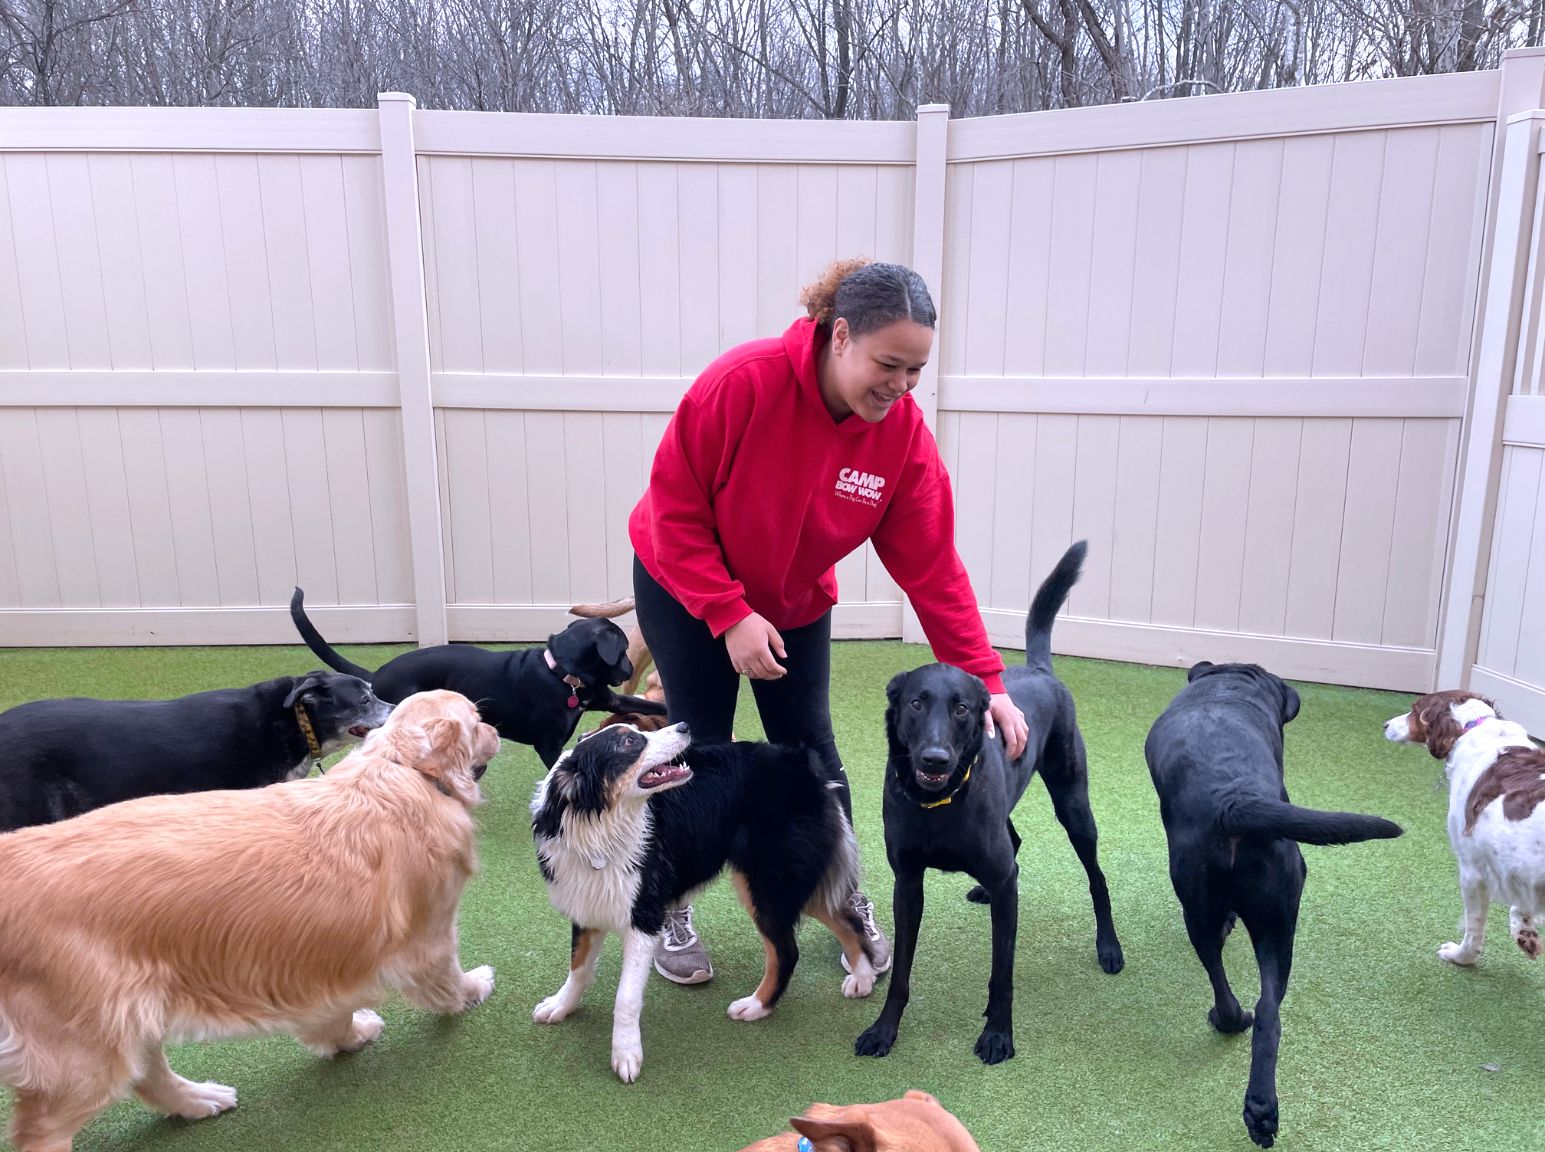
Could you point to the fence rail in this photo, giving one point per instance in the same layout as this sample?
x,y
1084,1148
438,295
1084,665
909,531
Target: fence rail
x,y
1251,346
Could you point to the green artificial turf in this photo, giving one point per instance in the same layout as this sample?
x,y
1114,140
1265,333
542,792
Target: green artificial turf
x,y
1384,1046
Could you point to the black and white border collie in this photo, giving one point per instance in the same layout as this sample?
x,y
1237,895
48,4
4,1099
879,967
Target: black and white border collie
x,y
620,840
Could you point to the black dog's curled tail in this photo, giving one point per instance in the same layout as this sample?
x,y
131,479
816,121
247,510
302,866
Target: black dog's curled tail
x,y
1048,601
1266,818
314,641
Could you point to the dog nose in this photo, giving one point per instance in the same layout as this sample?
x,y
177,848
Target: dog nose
x,y
935,757
683,729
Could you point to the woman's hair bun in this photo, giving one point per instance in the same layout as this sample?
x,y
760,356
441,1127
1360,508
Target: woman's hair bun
x,y
819,297
868,295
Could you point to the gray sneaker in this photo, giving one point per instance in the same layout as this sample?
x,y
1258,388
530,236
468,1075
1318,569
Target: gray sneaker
x,y
679,955
881,946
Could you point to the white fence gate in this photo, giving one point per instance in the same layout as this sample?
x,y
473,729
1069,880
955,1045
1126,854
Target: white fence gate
x,y
418,362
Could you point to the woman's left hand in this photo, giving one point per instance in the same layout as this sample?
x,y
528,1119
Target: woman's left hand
x,y
1003,713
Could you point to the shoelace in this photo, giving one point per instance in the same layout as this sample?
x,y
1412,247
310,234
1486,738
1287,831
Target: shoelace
x,y
678,929
865,912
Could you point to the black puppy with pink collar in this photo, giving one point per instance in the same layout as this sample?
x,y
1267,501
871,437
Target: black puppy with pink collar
x,y
532,696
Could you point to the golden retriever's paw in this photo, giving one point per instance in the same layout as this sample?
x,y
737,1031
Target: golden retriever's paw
x,y
1455,954
627,1059
201,1100
749,1008
365,1029
477,985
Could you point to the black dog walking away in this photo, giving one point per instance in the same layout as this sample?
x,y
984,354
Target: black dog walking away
x,y
949,792
1216,760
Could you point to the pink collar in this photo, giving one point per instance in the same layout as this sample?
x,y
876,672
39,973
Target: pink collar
x,y
574,682
1478,720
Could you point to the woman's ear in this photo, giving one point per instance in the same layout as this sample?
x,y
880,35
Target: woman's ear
x,y
841,335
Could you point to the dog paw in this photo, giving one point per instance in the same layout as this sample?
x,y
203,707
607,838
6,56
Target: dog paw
x,y
477,985
554,1010
1228,1028
1261,1120
201,1100
876,1040
1454,954
860,984
978,895
627,1059
366,1028
749,1008
993,1047
1112,959
1529,940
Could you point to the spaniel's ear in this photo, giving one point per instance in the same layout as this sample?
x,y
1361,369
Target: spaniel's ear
x,y
852,1132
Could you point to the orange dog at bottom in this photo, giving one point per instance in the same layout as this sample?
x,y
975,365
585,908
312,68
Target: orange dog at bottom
x,y
915,1123
220,914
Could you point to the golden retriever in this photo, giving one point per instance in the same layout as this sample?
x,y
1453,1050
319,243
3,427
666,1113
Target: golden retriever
x,y
219,914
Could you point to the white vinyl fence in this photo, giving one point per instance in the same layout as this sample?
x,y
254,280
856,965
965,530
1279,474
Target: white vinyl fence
x,y
418,362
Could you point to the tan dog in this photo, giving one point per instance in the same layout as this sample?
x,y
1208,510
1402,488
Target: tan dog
x,y
915,1123
221,914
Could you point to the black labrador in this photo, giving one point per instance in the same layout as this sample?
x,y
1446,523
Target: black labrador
x,y
949,792
59,758
532,696
1215,756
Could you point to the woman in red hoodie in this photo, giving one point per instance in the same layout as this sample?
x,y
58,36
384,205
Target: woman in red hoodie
x,y
784,456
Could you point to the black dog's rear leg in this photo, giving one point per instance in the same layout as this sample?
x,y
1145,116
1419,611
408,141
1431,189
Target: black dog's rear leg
x,y
907,906
1208,924
996,1043
1274,957
978,894
1067,780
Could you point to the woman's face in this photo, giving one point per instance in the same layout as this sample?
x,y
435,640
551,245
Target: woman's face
x,y
865,375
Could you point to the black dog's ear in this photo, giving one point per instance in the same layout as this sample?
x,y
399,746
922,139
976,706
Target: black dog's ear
x,y
1199,669
568,646
306,688
983,696
1290,701
611,643
893,689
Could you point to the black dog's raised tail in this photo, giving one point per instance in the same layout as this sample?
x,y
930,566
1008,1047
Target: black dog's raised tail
x,y
1048,601
1266,818
321,647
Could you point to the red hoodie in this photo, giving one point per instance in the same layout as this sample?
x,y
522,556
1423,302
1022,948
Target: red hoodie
x,y
756,492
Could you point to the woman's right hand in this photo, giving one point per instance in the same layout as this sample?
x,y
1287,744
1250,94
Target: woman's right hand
x,y
751,643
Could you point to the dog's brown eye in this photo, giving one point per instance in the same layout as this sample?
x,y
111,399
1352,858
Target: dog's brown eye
x,y
960,709
917,705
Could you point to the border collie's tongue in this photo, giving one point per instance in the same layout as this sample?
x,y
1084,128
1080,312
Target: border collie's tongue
x,y
668,773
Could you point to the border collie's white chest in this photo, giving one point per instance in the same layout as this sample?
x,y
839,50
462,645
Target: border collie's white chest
x,y
594,862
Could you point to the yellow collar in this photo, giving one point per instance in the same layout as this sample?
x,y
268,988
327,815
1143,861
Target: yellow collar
x,y
952,795
306,730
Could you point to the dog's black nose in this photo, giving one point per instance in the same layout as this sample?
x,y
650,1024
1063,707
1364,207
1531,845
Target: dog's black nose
x,y
683,729
935,757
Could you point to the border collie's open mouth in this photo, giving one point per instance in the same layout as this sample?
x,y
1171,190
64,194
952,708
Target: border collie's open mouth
x,y
359,730
674,771
931,782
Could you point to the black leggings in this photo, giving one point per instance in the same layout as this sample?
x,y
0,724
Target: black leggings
x,y
701,687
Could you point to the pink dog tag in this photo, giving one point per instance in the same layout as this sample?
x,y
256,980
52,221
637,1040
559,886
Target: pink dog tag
x,y
573,700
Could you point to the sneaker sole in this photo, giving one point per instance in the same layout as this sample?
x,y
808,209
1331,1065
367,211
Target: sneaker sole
x,y
877,971
698,977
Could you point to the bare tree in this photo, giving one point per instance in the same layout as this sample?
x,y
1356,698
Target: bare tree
x,y
835,59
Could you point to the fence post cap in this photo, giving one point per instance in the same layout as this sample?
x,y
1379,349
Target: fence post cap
x,y
396,97
933,108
